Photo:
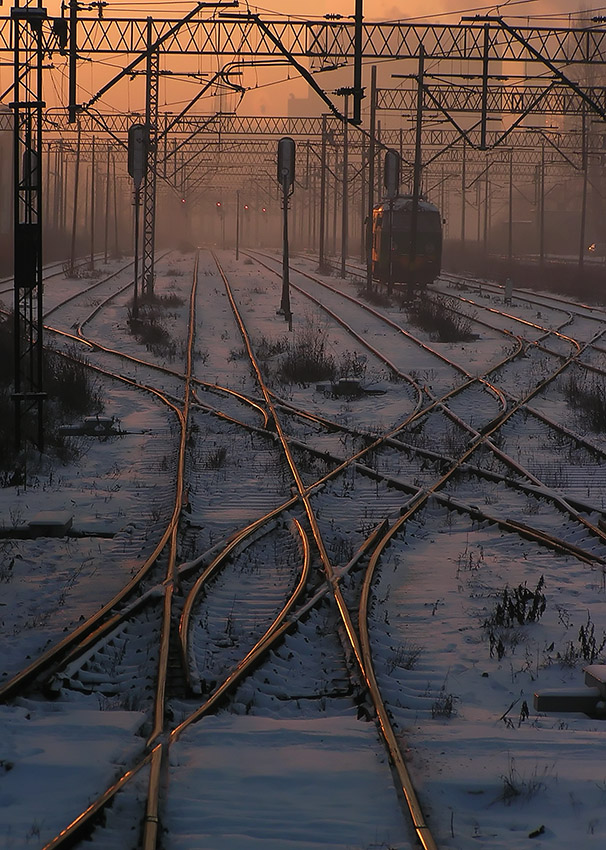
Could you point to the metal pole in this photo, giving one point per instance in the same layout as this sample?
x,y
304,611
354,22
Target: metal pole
x,y
152,72
75,210
484,117
463,197
335,196
358,92
106,233
584,195
390,250
237,225
115,188
136,263
510,233
486,199
416,191
363,184
285,303
371,175
92,207
542,208
322,247
344,204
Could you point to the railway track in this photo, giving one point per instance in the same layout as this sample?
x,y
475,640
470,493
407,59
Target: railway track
x,y
344,497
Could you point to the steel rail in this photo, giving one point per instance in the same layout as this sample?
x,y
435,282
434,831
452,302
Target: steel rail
x,y
260,647
236,543
332,580
273,636
100,623
496,422
171,575
471,379
97,625
563,504
455,506
82,824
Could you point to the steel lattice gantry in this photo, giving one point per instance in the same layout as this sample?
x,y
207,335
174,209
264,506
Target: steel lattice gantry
x,y
326,42
552,98
28,18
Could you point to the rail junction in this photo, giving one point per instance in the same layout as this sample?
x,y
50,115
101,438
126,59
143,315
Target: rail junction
x,y
231,600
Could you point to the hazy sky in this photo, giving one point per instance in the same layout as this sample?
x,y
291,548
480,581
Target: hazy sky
x,y
269,91
373,9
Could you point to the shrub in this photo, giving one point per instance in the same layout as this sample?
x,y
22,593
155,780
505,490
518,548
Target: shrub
x,y
148,330
443,706
70,389
374,296
589,401
516,607
519,606
307,360
517,786
589,648
440,320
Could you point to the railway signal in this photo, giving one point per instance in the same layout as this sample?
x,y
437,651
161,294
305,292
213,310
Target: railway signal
x,y
391,176
137,165
286,179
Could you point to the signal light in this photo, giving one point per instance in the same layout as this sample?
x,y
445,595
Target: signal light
x,y
263,209
182,200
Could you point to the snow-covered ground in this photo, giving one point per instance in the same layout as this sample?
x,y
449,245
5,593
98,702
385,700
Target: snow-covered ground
x,y
489,773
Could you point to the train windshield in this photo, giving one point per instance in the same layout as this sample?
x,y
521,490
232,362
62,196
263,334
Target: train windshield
x,y
428,221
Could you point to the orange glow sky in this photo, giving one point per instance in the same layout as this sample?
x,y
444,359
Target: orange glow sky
x,y
269,91
447,10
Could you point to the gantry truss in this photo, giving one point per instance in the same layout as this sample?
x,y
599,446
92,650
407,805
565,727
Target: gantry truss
x,y
330,42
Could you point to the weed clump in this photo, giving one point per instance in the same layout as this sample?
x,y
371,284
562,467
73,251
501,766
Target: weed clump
x,y
587,648
307,359
374,296
147,328
516,607
438,317
70,390
589,401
